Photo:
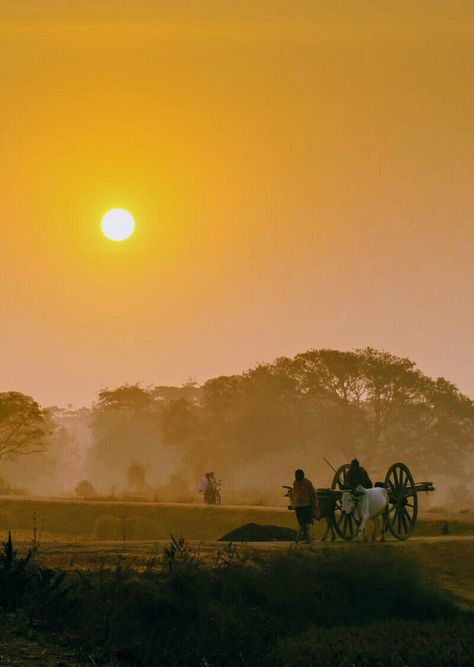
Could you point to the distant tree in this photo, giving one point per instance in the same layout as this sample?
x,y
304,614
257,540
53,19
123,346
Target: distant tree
x,y
379,406
436,427
123,420
179,421
334,388
247,417
365,403
125,398
24,426
85,489
136,474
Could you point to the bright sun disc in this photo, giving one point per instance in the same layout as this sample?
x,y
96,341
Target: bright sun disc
x,y
117,224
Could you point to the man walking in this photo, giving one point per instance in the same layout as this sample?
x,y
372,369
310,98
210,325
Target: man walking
x,y
305,503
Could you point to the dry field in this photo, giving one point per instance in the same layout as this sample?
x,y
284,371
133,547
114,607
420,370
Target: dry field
x,y
69,537
87,535
78,520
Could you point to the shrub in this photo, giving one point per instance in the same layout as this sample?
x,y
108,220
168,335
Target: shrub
x,y
235,611
85,489
37,590
413,643
338,607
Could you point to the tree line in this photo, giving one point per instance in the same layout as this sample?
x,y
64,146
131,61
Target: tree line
x,y
365,403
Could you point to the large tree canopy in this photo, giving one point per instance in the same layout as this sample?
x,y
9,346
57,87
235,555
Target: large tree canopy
x,y
363,403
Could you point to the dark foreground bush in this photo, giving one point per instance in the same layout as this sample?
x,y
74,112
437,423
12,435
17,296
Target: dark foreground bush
x,y
40,593
323,608
392,644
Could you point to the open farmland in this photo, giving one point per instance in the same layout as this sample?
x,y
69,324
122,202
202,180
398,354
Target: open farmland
x,y
107,520
86,535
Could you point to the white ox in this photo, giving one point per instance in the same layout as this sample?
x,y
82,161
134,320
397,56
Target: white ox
x,y
366,504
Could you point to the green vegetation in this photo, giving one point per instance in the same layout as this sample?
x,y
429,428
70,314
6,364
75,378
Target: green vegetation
x,y
332,607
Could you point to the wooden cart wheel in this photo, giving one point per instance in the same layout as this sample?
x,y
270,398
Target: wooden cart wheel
x,y
345,523
340,476
403,501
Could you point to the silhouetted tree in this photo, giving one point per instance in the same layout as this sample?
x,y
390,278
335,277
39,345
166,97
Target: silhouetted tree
x,y
85,489
136,474
366,403
24,426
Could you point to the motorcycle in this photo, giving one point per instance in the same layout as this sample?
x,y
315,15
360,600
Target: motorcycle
x,y
212,495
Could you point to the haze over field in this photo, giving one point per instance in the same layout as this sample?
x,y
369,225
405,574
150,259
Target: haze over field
x,y
236,244
300,175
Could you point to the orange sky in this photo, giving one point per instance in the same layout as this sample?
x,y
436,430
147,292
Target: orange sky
x,y
301,175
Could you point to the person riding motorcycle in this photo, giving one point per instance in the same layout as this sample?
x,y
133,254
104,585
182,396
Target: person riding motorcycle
x,y
210,487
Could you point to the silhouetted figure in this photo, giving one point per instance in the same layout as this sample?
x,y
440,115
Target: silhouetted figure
x,y
357,475
305,503
210,487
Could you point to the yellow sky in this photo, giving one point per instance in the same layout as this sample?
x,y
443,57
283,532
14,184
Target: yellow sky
x,y
300,174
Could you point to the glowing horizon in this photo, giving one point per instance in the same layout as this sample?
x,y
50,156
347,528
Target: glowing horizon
x,y
300,174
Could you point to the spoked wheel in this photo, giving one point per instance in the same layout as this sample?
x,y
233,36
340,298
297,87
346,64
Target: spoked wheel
x,y
339,481
345,523
403,501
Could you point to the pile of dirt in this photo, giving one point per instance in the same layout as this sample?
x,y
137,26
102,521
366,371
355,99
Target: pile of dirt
x,y
254,532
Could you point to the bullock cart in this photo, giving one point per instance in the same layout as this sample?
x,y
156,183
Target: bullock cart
x,y
402,510
400,514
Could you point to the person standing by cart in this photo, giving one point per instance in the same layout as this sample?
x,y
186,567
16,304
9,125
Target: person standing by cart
x,y
304,501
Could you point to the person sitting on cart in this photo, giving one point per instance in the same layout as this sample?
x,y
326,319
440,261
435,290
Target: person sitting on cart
x,y
357,476
305,503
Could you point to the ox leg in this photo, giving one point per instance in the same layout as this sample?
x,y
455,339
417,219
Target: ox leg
x,y
374,531
384,526
362,528
328,528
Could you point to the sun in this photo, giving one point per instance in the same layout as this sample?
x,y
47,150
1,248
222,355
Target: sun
x,y
118,224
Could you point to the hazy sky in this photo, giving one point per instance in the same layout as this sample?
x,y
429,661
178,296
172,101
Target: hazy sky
x,y
301,174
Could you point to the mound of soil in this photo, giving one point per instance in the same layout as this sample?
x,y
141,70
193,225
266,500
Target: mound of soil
x,y
254,532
